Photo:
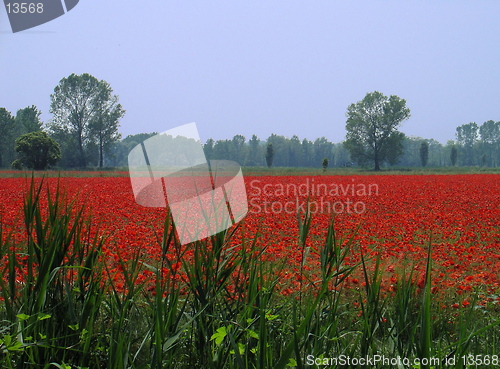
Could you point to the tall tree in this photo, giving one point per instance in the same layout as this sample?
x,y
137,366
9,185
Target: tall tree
x,y
223,149
253,151
208,149
84,107
29,119
238,144
280,152
435,152
322,149
269,155
372,125
424,153
307,149
467,135
104,127
453,155
294,151
490,137
8,134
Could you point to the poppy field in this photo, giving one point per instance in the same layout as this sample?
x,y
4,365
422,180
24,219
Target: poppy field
x,y
357,264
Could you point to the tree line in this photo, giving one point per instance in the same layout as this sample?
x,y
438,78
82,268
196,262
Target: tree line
x,y
83,132
281,151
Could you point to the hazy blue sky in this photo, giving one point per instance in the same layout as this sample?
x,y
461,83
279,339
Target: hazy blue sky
x,y
266,66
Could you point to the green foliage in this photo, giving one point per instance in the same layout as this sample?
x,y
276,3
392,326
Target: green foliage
x,y
103,128
254,152
89,135
53,313
117,155
269,155
453,155
371,127
208,149
17,164
424,153
37,150
29,119
86,116
412,146
490,139
8,132
324,164
467,136
239,148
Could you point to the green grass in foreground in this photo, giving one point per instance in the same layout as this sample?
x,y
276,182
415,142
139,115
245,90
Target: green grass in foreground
x,y
62,308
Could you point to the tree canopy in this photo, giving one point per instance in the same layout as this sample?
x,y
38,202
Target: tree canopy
x,y
372,124
8,133
37,150
29,119
85,115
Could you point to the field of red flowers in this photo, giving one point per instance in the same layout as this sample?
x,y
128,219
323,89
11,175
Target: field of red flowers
x,y
394,216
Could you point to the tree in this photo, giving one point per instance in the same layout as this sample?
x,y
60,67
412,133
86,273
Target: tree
x,y
104,127
238,144
322,149
37,150
85,113
269,155
453,155
118,152
467,135
29,119
392,151
307,149
490,137
222,149
253,151
424,153
324,164
208,149
372,124
435,152
8,133
294,151
280,153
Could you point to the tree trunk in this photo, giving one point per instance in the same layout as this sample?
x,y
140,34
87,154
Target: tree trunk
x,y
375,158
101,156
82,153
81,159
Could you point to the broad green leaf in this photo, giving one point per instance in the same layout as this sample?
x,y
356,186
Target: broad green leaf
x,y
22,317
292,362
252,334
219,335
